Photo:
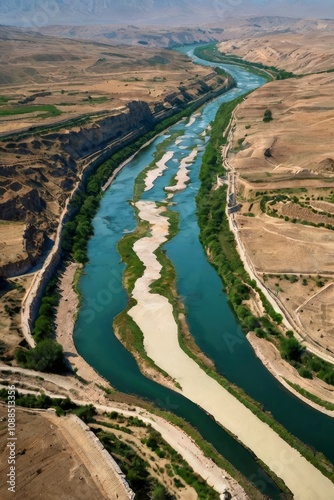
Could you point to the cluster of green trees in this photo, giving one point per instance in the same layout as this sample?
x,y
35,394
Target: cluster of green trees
x,y
47,356
134,467
216,235
61,405
79,229
272,200
44,324
75,236
77,232
307,364
179,467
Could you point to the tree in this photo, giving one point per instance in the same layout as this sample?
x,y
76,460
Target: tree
x,y
159,492
47,356
291,349
268,116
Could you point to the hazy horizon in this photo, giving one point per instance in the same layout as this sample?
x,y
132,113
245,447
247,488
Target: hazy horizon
x,y
35,13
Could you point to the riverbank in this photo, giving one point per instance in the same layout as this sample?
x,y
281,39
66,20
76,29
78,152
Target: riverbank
x,y
154,315
243,287
97,172
269,355
283,371
65,320
105,213
95,390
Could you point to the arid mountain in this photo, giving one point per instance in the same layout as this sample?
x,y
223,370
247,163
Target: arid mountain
x,y
39,13
226,29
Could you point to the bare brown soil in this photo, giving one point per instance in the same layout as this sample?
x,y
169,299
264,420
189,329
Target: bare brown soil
x,y
279,247
297,142
137,442
295,211
11,242
10,303
45,462
85,76
308,303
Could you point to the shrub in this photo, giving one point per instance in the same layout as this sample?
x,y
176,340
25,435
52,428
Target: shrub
x,y
268,116
47,356
305,373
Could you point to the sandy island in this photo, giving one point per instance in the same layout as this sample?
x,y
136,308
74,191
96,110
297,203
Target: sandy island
x,y
153,174
182,176
154,316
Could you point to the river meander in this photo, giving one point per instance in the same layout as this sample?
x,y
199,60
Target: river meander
x,y
211,321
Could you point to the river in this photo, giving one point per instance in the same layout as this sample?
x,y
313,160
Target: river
x,y
211,320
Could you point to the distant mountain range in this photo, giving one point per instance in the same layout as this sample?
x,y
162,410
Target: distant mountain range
x,y
37,13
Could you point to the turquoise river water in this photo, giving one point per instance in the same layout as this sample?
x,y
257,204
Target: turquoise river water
x,y
210,318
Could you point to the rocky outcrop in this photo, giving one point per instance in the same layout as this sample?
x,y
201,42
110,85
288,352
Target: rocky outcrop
x,y
16,268
91,138
16,208
74,155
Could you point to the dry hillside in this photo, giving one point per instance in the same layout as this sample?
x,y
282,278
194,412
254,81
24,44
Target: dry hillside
x,y
300,52
286,188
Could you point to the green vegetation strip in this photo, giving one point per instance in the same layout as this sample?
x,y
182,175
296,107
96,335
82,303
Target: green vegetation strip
x,y
277,198
216,237
166,286
310,396
36,131
155,442
76,233
211,53
61,405
88,412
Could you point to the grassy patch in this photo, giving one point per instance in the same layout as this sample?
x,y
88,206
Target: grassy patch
x,y
47,109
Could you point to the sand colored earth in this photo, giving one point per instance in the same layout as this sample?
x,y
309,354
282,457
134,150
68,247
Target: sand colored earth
x,y
182,176
65,320
47,465
154,316
103,469
153,174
